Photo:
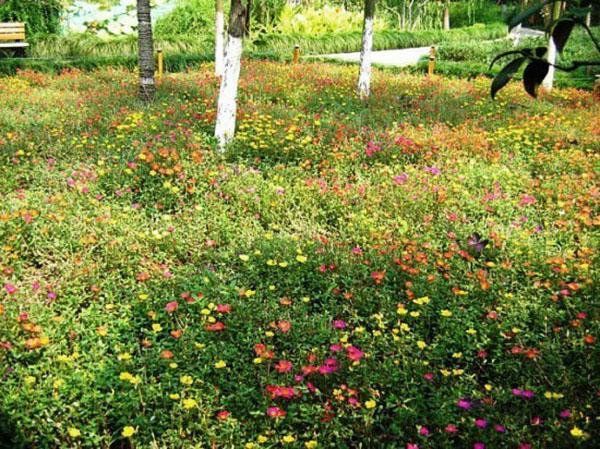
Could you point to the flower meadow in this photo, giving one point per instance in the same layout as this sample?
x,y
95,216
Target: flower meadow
x,y
418,271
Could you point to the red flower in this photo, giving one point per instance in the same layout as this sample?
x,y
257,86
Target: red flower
x,y
171,306
215,327
378,276
354,353
223,308
283,366
223,415
284,326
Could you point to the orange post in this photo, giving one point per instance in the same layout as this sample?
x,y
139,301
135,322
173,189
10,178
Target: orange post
x,y
296,54
431,65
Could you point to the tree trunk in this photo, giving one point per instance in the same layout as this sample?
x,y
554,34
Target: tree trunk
x,y
446,16
145,51
364,75
549,79
219,37
239,19
588,19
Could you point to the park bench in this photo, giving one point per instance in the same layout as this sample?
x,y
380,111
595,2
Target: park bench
x,y
12,37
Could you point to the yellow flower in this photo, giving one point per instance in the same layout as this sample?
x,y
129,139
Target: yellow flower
x,y
156,327
220,364
288,439
446,313
250,445
471,331
76,433
300,258
421,344
577,432
370,404
189,403
125,356
312,444
125,376
30,380
128,431
262,439
244,257
186,380
174,396
283,264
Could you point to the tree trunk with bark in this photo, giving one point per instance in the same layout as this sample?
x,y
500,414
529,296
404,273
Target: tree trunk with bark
x,y
364,74
219,37
551,58
239,20
145,51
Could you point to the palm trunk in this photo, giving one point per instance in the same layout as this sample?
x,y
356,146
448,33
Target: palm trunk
x,y
549,79
446,16
145,51
239,19
364,75
219,37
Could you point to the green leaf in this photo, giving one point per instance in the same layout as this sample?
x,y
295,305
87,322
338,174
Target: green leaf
x,y
502,55
561,32
533,75
505,75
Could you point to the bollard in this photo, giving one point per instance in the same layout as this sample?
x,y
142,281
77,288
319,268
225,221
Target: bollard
x,y
160,63
431,65
296,54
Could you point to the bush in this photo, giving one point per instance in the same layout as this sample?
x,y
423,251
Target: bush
x,y
40,16
190,17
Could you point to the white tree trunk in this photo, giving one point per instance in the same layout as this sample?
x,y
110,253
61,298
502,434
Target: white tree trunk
x,y
219,40
549,80
364,75
227,103
446,17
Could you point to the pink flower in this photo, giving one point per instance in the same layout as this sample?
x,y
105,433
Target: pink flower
x,y
464,404
335,348
411,446
499,428
10,289
276,412
171,306
400,179
223,308
428,376
424,431
372,148
433,170
339,324
481,423
354,353
329,366
478,446
525,446
565,414
451,428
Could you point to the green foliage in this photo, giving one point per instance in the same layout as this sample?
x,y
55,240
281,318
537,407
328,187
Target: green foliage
x,y
40,16
154,294
193,18
465,13
382,40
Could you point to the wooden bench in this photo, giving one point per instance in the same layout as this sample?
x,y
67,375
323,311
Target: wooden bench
x,y
12,37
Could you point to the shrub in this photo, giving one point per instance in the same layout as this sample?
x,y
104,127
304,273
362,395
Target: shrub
x,y
41,16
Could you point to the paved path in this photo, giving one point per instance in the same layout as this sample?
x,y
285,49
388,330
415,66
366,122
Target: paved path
x,y
410,56
397,58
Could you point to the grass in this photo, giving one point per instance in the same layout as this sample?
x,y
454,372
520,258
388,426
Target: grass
x,y
420,269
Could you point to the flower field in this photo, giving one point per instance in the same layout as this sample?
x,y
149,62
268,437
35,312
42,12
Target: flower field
x,y
420,271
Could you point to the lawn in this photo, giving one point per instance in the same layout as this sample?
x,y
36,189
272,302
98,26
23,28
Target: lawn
x,y
418,271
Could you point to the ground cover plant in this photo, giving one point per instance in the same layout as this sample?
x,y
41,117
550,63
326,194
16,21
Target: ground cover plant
x,y
415,271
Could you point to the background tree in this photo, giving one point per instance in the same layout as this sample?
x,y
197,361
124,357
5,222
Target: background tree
x,y
239,21
446,24
219,37
364,74
145,51
549,79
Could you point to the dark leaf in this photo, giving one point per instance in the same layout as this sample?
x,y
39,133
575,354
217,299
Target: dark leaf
x,y
561,32
533,75
506,53
540,52
506,75
528,13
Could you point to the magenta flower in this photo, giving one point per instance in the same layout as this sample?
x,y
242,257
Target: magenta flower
x,y
433,170
339,324
464,404
528,394
10,289
411,446
275,412
499,428
478,446
481,423
400,179
424,431
565,414
171,306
